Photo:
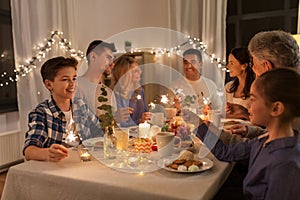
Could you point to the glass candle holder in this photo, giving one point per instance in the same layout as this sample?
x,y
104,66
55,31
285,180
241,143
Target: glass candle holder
x,y
84,154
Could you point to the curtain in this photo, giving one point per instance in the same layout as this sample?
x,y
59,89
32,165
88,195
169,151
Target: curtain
x,y
32,21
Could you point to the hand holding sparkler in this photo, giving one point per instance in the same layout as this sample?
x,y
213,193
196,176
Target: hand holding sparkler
x,y
72,139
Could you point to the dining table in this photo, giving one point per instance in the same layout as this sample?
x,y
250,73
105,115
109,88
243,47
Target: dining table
x,y
72,178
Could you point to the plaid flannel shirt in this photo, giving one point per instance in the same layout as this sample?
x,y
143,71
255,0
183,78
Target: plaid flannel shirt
x,y
47,123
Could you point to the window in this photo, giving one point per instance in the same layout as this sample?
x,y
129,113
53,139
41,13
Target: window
x,y
8,90
246,18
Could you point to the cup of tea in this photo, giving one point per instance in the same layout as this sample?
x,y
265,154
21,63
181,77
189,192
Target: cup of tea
x,y
165,143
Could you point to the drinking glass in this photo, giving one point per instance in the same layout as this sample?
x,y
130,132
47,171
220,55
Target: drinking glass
x,y
122,135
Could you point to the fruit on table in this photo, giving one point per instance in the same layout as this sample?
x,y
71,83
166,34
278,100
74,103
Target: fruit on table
x,y
154,147
181,129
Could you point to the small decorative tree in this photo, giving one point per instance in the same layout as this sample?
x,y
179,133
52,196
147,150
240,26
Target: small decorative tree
x,y
107,118
107,124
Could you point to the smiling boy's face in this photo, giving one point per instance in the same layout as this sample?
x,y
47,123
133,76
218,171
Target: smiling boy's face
x,y
64,85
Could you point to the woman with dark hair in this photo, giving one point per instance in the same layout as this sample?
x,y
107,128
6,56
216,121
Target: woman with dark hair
x,y
237,90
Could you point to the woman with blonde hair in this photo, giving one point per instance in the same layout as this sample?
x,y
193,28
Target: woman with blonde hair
x,y
126,76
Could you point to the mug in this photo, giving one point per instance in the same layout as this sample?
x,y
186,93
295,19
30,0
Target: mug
x,y
165,143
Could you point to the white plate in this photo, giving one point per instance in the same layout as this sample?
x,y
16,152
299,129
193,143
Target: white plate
x,y
233,122
232,119
207,164
92,142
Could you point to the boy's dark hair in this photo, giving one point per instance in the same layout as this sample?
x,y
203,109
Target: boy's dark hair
x,y
281,84
193,52
98,46
50,67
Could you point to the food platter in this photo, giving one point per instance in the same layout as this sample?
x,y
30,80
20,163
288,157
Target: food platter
x,y
206,165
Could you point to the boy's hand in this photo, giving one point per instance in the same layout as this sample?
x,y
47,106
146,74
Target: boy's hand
x,y
57,152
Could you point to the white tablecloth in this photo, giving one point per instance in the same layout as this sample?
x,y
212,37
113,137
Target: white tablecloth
x,y
74,179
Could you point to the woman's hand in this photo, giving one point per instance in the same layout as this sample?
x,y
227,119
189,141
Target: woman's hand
x,y
176,104
146,117
236,111
123,114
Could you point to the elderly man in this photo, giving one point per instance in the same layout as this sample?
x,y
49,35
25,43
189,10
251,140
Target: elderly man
x,y
269,49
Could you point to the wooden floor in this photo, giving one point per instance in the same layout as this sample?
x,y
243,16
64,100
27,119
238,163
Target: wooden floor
x,y
2,181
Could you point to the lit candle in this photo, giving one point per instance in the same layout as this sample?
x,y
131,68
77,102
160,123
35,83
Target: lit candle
x,y
144,129
84,154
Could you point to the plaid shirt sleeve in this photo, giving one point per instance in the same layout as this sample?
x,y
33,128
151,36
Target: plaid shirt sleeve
x,y
44,128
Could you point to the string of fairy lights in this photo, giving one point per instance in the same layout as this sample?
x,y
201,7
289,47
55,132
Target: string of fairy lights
x,y
57,36
196,44
24,69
